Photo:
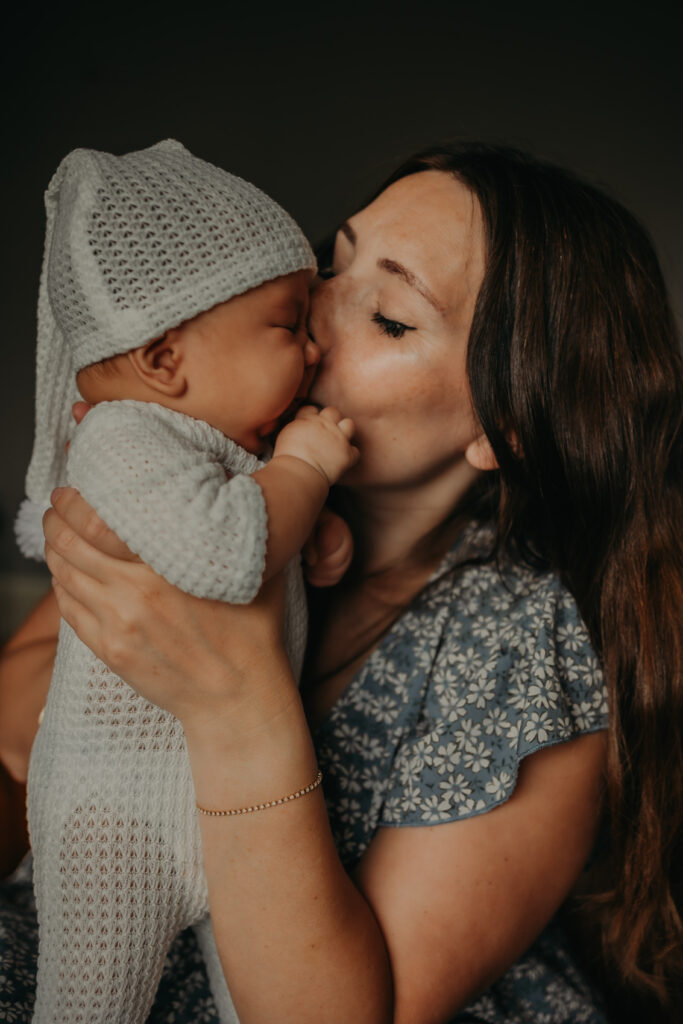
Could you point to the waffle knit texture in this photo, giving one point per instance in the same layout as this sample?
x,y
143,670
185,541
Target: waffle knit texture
x,y
118,861
134,245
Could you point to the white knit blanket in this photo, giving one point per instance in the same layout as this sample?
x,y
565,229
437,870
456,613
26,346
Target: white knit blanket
x,y
117,849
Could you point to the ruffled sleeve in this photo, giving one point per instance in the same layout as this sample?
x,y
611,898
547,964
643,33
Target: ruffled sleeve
x,y
514,672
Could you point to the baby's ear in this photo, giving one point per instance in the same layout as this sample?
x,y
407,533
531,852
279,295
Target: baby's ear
x,y
160,365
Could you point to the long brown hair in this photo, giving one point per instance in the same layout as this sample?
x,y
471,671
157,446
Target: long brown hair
x,y
573,354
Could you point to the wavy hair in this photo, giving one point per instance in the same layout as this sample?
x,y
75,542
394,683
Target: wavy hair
x,y
577,380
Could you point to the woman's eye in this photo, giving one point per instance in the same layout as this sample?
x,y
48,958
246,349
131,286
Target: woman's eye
x,y
394,328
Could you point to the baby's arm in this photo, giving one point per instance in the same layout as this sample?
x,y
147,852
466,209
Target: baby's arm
x,y
311,453
170,499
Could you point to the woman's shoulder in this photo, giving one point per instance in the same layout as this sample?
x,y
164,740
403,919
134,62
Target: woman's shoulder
x,y
507,668
492,601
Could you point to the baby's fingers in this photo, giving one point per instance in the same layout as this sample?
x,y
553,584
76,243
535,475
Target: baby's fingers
x,y
331,414
307,412
347,427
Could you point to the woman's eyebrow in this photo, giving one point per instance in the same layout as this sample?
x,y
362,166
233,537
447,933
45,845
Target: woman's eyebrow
x,y
393,267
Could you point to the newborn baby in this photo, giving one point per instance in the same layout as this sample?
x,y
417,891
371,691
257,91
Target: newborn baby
x,y
176,294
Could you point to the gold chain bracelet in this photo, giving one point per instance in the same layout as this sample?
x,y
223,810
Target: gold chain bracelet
x,y
269,803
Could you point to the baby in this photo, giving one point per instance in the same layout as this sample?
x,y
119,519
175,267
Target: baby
x,y
176,294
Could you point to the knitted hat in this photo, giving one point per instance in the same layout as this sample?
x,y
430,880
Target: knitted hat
x,y
135,245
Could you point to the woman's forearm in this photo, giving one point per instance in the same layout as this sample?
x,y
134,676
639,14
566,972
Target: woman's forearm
x,y
297,940
13,830
26,663
25,671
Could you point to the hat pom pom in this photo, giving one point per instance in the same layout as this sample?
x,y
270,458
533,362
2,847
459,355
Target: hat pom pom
x,y
28,529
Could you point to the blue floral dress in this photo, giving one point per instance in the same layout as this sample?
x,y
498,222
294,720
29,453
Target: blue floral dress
x,y
484,668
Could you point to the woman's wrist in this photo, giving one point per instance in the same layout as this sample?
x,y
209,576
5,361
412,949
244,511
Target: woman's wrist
x,y
246,756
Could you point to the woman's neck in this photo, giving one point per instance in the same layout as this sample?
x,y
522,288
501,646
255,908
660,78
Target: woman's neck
x,y
394,521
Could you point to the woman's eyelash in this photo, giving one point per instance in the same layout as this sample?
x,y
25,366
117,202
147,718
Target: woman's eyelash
x,y
394,328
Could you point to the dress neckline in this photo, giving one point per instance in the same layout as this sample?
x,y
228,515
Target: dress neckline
x,y
468,543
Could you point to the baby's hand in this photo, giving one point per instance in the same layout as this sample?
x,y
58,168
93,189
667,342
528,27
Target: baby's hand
x,y
322,438
328,551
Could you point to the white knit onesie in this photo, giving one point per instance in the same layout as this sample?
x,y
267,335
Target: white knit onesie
x,y
118,860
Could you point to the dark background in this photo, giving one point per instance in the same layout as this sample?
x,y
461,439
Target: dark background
x,y
316,103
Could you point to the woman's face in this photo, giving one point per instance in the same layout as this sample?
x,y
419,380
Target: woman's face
x,y
392,323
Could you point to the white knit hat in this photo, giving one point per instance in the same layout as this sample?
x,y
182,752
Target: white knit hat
x,y
135,245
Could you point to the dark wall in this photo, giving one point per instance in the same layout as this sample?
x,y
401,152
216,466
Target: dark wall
x,y
316,104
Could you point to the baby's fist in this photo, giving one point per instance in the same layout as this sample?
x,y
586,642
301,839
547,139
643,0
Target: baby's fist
x,y
328,552
322,438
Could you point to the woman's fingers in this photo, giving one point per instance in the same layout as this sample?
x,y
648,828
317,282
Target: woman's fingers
x,y
69,557
63,546
76,615
104,615
75,511
76,576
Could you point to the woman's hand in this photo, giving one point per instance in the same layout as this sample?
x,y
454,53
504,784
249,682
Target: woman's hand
x,y
196,658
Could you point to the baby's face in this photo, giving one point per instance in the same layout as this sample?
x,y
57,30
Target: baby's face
x,y
248,359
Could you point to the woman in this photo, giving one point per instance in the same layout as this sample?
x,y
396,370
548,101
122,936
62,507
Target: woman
x,y
500,335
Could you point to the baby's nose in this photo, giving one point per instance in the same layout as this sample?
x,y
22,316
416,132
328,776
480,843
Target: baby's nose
x,y
311,353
